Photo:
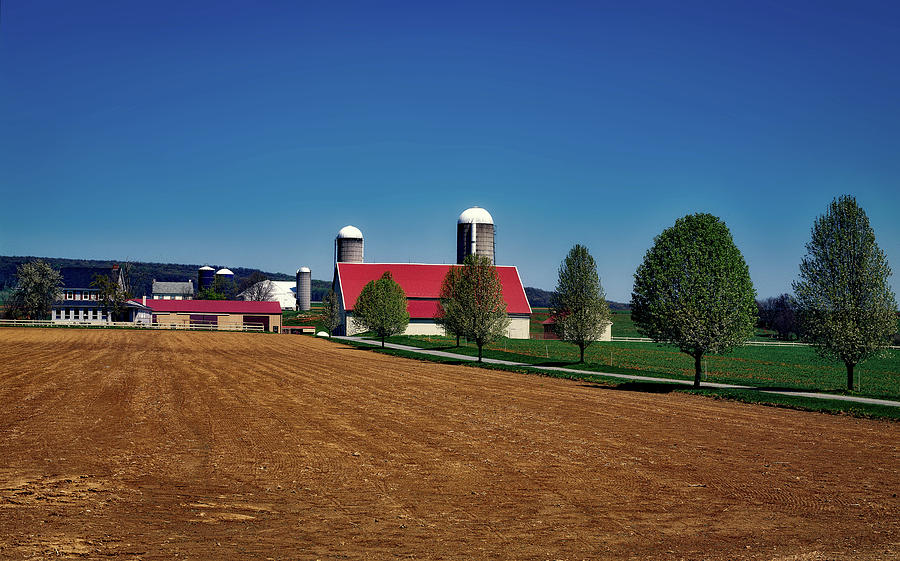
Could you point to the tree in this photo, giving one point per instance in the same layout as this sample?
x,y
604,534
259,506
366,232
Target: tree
x,y
847,310
224,286
331,312
450,314
221,289
209,293
114,292
381,307
38,286
578,306
257,287
780,315
693,290
479,296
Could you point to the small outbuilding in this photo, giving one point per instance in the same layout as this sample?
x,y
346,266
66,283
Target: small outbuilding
x,y
215,313
165,290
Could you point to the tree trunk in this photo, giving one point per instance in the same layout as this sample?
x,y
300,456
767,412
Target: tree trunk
x,y
581,348
457,339
382,341
850,366
479,352
697,370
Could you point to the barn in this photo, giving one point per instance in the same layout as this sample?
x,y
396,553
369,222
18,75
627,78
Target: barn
x,y
215,313
284,292
422,285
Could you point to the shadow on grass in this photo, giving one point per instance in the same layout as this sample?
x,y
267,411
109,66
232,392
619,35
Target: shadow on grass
x,y
788,389
641,387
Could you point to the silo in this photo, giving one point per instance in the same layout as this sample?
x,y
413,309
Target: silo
x,y
475,234
224,274
205,276
304,288
348,245
224,283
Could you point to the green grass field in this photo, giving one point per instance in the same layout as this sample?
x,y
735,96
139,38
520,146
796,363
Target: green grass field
x,y
624,327
776,367
312,317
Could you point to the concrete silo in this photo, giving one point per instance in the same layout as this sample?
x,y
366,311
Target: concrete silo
x,y
205,276
475,234
304,288
348,245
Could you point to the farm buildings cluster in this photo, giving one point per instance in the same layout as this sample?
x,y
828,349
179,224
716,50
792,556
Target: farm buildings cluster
x,y
175,303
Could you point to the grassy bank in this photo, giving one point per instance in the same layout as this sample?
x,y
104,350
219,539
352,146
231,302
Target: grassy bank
x,y
747,396
796,368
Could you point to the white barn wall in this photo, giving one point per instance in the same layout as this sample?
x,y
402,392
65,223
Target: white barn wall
x,y
518,327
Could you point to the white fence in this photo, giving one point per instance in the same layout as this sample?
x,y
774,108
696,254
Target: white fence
x,y
128,324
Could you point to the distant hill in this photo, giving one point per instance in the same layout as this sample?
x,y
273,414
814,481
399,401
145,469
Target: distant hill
x,y
539,298
143,273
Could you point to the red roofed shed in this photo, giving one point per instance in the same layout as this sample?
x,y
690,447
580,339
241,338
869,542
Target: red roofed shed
x,y
215,312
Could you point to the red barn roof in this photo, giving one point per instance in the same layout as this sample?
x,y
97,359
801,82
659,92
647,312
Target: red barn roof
x,y
212,306
422,284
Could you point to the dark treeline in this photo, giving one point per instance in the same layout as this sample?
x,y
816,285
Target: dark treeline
x,y
539,298
779,313
143,273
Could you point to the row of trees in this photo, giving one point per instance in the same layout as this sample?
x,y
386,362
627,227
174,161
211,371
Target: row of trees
x,y
693,290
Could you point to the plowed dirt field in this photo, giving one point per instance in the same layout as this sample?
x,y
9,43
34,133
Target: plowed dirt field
x,y
152,445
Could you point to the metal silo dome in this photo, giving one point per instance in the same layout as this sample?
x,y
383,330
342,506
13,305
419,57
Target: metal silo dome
x,y
475,234
224,271
475,215
350,232
348,245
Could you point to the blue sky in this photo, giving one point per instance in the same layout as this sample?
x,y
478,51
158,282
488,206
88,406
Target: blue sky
x,y
247,134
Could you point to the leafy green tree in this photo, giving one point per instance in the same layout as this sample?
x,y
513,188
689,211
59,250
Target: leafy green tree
x,y
11,305
38,286
381,307
209,293
450,314
847,309
479,296
114,293
331,312
225,287
578,306
694,290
